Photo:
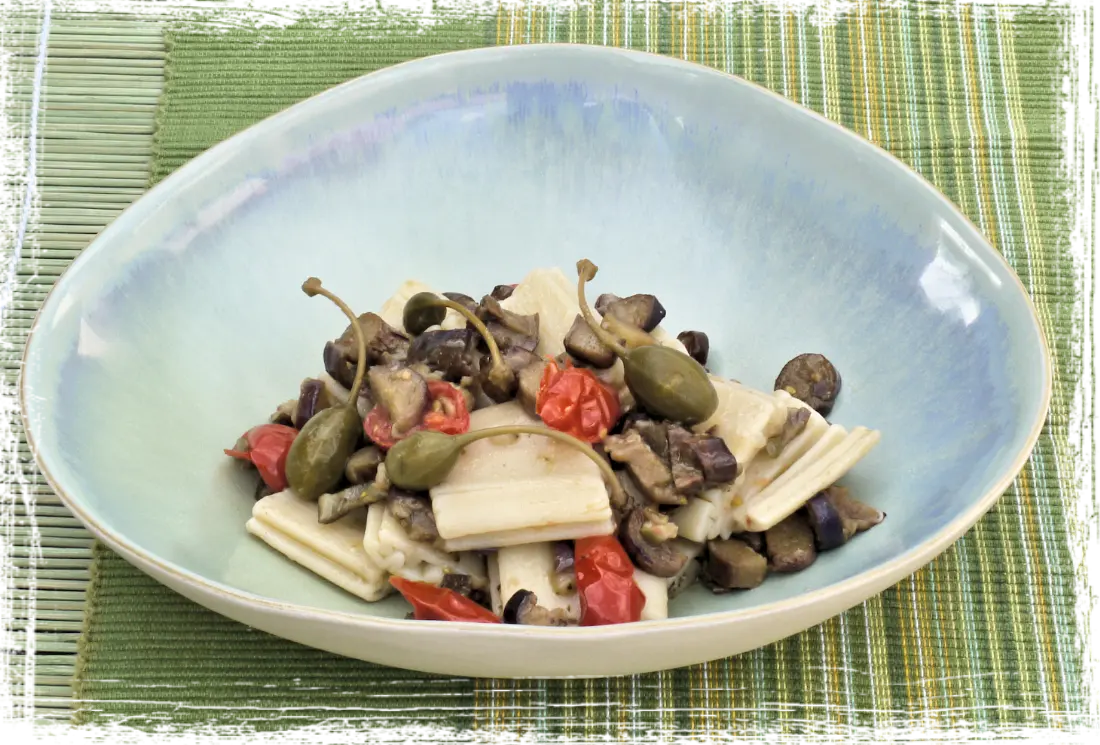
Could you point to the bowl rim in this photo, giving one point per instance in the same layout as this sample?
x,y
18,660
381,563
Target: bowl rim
x,y
884,575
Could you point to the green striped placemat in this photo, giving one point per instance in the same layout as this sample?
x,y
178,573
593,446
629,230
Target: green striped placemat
x,y
984,638
101,81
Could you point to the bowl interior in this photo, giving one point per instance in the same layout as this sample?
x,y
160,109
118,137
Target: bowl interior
x,y
768,228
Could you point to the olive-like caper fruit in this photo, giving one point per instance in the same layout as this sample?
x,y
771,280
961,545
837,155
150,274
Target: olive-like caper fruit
x,y
424,458
665,381
422,311
316,459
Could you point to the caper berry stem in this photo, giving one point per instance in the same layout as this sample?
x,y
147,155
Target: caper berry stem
x,y
494,350
586,271
313,287
522,429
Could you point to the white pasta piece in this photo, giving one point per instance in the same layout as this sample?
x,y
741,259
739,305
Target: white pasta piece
x,y
530,567
807,477
696,519
548,293
764,469
334,551
518,489
553,296
655,590
389,546
394,308
745,419
554,532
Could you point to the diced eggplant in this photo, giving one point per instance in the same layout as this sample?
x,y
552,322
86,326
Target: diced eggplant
x,y
754,540
402,392
363,464
642,311
790,544
338,393
506,338
699,461
464,300
685,578
718,464
331,507
503,292
385,345
604,300
697,345
509,329
530,380
582,343
813,379
460,583
635,499
650,549
797,418
523,608
284,414
826,522
517,359
733,565
338,363
564,577
414,513
465,586
313,397
452,352
563,556
655,435
687,476
856,516
651,473
629,335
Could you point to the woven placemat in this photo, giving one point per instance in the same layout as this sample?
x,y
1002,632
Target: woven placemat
x,y
85,80
983,638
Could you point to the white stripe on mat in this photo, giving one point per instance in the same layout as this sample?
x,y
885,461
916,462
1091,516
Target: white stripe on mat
x,y
32,157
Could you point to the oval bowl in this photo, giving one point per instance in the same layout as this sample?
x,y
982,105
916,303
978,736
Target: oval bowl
x,y
756,220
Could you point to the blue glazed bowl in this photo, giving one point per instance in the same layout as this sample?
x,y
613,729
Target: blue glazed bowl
x,y
772,229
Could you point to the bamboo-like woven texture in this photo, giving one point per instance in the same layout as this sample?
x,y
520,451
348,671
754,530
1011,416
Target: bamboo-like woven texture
x,y
101,79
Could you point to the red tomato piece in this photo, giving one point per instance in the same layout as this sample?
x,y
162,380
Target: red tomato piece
x,y
447,413
266,448
574,401
431,603
605,582
379,428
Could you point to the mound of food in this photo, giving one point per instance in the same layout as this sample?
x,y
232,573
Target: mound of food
x,y
529,459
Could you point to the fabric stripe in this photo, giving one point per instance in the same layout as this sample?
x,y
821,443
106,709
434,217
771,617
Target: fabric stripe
x,y
1043,634
951,561
32,157
1038,459
1064,467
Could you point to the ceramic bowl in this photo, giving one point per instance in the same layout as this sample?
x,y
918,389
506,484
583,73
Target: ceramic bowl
x,y
758,221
